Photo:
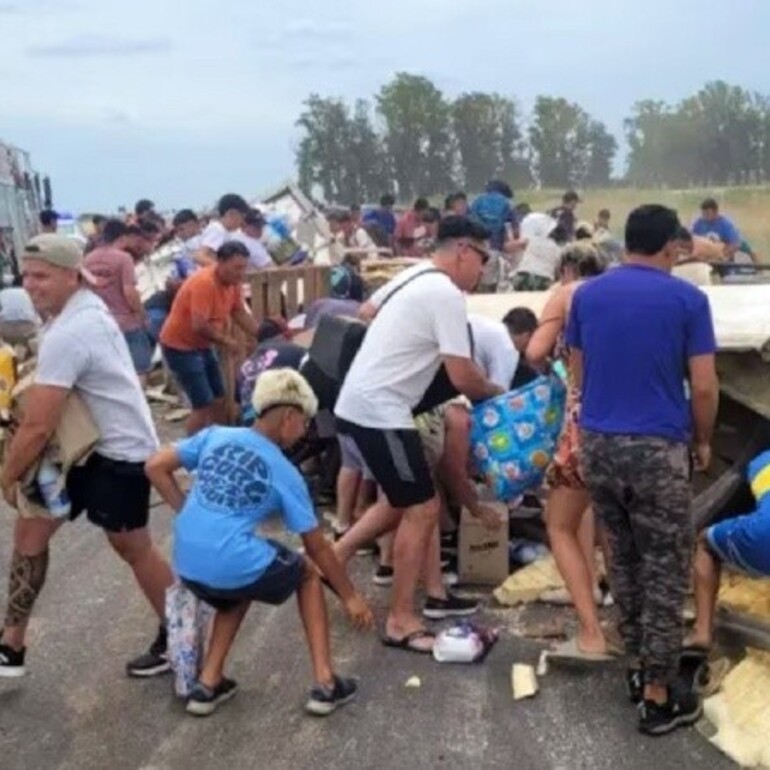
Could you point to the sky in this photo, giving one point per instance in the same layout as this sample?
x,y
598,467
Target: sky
x,y
181,102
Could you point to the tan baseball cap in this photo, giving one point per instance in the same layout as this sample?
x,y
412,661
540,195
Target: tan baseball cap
x,y
59,251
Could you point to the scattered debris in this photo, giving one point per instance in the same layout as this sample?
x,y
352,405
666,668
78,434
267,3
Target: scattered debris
x,y
159,394
542,664
176,415
527,584
741,712
523,681
414,682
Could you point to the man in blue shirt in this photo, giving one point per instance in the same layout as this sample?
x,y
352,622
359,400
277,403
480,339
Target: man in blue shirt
x,y
383,218
636,334
494,210
712,224
242,478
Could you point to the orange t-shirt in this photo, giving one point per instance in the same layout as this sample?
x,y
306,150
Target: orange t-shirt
x,y
202,295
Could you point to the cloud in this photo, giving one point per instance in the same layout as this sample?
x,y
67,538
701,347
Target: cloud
x,y
83,46
309,29
33,6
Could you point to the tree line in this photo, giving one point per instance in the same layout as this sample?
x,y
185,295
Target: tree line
x,y
412,140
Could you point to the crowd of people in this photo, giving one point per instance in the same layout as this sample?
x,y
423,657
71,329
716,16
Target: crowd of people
x,y
635,345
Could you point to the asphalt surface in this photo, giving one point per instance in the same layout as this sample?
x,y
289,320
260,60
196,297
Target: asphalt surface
x,y
77,710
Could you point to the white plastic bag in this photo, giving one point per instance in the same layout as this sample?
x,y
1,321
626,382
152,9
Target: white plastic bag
x,y
188,620
463,643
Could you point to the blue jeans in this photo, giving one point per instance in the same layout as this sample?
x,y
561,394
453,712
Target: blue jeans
x,y
198,374
140,348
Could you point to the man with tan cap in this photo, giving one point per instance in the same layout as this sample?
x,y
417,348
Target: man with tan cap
x,y
82,350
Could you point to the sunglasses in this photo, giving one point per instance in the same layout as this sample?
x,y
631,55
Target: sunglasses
x,y
483,253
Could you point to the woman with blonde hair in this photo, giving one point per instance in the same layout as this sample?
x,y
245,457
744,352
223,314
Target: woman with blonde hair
x,y
569,519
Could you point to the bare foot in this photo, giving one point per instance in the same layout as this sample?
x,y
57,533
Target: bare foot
x,y
698,641
594,644
404,627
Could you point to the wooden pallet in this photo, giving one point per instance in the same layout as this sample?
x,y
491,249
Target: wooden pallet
x,y
286,290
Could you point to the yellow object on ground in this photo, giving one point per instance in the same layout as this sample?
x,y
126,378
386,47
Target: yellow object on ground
x,y
745,594
527,584
741,712
523,681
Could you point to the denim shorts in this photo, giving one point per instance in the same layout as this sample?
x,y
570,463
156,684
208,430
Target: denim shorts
x,y
198,374
140,348
156,317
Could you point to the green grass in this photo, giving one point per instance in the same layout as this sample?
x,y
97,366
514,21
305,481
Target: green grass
x,y
748,207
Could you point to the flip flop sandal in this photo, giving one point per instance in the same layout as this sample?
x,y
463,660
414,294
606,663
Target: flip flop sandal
x,y
695,651
569,652
407,643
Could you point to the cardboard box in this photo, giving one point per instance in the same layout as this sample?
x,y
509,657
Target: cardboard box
x,y
75,436
483,554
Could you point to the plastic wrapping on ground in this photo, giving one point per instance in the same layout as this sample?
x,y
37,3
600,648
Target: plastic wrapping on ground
x,y
188,620
464,643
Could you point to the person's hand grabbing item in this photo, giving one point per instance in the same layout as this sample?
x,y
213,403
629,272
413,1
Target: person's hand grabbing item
x,y
359,612
702,456
489,517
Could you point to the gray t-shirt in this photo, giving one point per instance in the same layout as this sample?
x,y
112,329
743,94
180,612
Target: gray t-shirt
x,y
82,349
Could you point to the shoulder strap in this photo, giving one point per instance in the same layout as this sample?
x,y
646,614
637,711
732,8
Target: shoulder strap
x,y
406,283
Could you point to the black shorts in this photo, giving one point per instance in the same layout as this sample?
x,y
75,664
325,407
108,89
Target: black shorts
x,y
397,461
114,495
278,582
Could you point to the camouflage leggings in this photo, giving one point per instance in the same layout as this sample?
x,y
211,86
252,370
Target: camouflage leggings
x,y
640,489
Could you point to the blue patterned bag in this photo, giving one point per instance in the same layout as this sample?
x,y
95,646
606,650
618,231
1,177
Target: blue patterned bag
x,y
513,436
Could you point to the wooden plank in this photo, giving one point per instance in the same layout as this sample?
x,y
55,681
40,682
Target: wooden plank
x,y
292,296
274,284
257,284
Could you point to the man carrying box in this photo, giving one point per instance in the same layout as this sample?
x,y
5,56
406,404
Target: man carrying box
x,y
81,350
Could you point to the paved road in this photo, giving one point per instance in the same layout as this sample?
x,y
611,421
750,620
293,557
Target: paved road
x,y
76,709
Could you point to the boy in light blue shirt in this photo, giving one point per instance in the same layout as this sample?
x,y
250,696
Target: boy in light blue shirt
x,y
243,479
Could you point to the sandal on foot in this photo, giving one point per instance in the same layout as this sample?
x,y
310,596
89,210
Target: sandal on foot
x,y
695,651
408,642
570,652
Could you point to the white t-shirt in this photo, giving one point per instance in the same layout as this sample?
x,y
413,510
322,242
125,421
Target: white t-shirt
x,y
259,257
537,225
401,352
363,241
215,235
15,306
541,257
82,349
493,350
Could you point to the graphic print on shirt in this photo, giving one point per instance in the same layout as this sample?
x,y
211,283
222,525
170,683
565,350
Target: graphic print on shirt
x,y
233,478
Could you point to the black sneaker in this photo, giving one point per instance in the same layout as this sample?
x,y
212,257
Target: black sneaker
x,y
635,685
680,710
451,607
324,700
205,700
383,576
155,661
449,542
11,662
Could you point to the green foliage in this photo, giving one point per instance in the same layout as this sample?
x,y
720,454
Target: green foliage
x,y
418,142
719,136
